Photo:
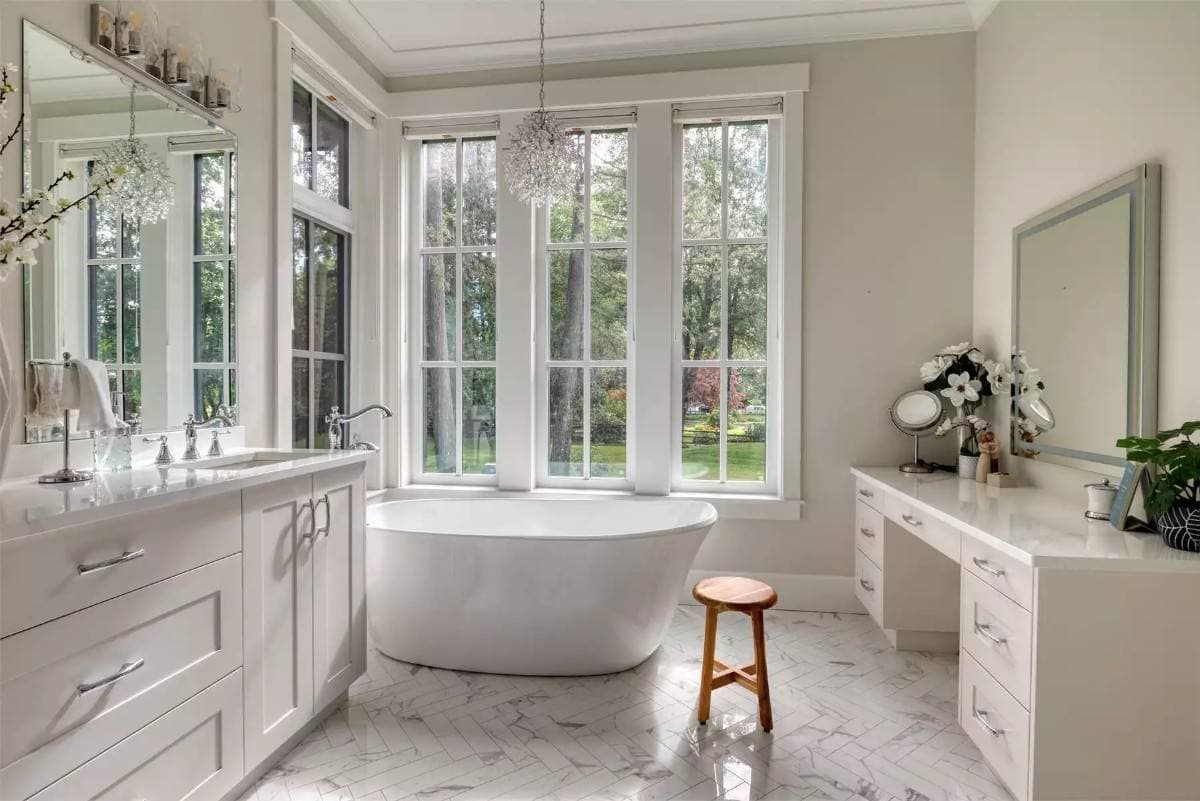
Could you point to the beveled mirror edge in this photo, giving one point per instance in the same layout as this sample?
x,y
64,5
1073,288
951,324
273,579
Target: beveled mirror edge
x,y
1142,377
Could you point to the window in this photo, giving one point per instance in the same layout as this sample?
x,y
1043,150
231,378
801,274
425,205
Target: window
x,y
114,279
457,359
324,169
320,295
214,282
726,314
586,376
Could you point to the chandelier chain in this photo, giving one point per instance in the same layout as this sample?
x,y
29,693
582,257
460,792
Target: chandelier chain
x,y
542,56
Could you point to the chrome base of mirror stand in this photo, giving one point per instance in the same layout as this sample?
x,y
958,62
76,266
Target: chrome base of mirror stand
x,y
66,476
917,467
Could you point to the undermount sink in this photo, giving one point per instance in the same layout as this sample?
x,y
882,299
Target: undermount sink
x,y
245,461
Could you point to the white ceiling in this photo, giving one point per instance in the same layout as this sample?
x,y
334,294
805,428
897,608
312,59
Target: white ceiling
x,y
54,74
420,37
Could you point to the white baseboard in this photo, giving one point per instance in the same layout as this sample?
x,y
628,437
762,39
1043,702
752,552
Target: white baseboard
x,y
797,592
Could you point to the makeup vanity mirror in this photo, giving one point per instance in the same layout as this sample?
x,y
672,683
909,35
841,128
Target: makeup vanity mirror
x,y
1085,323
154,301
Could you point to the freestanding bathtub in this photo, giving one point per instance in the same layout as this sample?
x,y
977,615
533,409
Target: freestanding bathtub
x,y
530,587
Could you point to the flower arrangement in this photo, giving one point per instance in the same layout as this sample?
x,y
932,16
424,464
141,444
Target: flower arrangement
x,y
25,225
1029,380
966,379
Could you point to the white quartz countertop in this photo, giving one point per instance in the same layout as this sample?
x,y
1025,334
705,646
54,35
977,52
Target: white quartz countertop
x,y
1031,525
27,507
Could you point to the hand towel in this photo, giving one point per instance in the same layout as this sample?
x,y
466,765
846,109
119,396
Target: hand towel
x,y
45,394
87,390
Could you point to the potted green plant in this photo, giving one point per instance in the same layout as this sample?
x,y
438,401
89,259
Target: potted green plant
x,y
1173,501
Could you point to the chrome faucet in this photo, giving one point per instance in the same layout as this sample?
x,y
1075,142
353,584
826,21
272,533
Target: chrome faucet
x,y
191,452
339,426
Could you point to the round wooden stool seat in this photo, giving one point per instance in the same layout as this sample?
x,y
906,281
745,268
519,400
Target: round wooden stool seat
x,y
735,593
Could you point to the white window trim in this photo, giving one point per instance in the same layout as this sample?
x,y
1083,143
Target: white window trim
x,y
416,319
542,331
304,199
773,362
228,259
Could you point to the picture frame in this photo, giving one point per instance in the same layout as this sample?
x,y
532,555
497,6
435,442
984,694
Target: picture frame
x,y
1135,477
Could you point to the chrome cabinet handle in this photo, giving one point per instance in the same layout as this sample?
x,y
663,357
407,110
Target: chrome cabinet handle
x,y
866,493
986,567
125,670
311,534
985,631
912,521
323,531
982,717
866,585
128,556
866,532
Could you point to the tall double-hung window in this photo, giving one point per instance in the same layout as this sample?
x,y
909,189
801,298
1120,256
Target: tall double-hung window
x,y
726,342
457,331
587,346
321,241
214,282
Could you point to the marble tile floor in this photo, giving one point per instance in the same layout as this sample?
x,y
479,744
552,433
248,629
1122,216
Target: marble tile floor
x,y
855,720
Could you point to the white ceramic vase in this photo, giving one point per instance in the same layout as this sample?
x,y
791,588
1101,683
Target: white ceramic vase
x,y
967,465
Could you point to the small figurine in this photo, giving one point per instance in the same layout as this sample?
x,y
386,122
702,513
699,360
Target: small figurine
x,y
989,456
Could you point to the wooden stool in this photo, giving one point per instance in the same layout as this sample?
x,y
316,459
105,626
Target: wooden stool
x,y
733,594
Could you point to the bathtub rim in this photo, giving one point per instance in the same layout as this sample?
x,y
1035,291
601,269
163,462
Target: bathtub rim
x,y
710,518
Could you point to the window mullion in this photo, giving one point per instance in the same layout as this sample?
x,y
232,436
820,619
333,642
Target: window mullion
x,y
587,305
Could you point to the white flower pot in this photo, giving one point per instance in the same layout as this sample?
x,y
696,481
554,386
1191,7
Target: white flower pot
x,y
967,465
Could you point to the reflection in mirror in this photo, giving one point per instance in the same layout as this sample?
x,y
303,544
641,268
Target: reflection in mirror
x,y
155,302
1084,322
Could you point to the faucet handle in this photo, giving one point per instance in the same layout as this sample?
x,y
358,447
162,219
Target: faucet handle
x,y
164,456
214,449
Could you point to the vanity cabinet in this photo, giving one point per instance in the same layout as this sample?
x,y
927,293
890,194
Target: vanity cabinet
x,y
168,649
1079,646
305,601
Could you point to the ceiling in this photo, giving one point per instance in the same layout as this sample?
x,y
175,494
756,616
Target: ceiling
x,y
424,37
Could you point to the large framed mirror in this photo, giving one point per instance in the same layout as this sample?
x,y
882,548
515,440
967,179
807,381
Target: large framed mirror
x,y
154,301
1085,323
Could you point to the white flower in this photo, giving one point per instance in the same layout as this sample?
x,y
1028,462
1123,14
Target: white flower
x,y
956,350
978,423
976,355
944,427
1030,379
962,389
932,369
1000,378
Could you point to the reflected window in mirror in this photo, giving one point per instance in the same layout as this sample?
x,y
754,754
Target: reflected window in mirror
x,y
320,163
320,309
114,327
214,277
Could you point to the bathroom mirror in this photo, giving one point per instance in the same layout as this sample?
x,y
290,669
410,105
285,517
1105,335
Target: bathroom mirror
x,y
1085,322
155,302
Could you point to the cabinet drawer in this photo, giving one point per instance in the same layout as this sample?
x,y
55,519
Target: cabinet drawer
x,y
868,494
941,536
49,575
193,752
144,652
868,531
998,633
868,585
998,570
996,723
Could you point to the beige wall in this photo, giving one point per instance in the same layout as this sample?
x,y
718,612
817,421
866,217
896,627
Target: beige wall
x,y
238,34
1067,96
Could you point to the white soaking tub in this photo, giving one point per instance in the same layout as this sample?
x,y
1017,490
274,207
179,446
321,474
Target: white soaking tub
x,y
531,587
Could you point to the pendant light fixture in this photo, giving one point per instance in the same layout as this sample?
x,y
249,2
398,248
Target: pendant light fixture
x,y
144,191
542,159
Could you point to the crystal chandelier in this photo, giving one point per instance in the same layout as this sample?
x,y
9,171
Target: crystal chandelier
x,y
144,191
542,159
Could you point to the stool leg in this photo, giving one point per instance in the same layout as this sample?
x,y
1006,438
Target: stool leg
x,y
706,669
760,670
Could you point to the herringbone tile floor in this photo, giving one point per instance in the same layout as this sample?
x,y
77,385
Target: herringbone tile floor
x,y
854,720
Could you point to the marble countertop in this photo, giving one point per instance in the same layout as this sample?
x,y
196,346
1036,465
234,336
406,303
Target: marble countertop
x,y
1031,525
27,507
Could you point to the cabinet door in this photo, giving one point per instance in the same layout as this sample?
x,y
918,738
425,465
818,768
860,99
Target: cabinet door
x,y
339,589
277,532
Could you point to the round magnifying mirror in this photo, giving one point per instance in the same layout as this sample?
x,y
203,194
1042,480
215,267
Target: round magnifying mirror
x,y
916,413
1037,411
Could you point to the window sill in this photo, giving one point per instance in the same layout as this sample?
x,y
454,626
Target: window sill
x,y
734,507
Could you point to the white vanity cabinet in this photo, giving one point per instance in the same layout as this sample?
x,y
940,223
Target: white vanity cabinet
x,y
1079,645
160,647
305,601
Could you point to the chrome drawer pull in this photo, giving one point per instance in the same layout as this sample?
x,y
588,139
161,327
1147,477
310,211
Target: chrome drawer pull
x,y
985,631
311,534
912,521
986,567
982,717
125,670
866,585
866,493
323,530
866,532
128,556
